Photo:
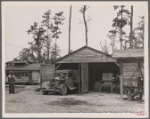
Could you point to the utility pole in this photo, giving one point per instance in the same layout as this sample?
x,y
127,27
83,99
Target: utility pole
x,y
69,39
131,27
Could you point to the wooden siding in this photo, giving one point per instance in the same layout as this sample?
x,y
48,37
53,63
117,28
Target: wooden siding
x,y
129,69
131,72
47,72
36,77
86,55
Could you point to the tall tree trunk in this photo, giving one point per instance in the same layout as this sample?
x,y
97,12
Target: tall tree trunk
x,y
86,29
56,43
121,30
39,54
48,52
69,39
47,46
131,27
113,44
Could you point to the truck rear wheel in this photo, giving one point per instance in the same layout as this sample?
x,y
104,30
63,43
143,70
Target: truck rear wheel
x,y
63,90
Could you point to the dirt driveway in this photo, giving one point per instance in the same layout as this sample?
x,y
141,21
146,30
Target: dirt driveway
x,y
27,100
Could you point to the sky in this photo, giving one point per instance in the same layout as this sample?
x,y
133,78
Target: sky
x,y
18,16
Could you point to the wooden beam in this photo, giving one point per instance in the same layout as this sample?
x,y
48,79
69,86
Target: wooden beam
x,y
84,77
57,66
140,70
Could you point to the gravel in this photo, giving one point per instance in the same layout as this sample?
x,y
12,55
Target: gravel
x,y
27,100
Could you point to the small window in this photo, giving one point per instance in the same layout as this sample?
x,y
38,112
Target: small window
x,y
64,74
18,75
26,74
22,73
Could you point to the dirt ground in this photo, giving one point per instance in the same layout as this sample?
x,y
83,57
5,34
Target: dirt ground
x,y
27,100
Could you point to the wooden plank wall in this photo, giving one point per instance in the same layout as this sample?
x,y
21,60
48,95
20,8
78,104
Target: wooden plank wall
x,y
36,76
84,77
131,70
47,72
86,55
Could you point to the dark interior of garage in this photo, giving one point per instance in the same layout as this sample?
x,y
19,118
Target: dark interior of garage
x,y
96,70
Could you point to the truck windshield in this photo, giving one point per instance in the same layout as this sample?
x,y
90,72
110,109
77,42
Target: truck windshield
x,y
70,74
59,74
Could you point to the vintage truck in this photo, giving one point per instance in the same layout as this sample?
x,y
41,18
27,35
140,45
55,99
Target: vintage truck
x,y
64,81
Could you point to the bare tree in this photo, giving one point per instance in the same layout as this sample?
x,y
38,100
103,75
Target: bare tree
x,y
83,11
112,36
105,47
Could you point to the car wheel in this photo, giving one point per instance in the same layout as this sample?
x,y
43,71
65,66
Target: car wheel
x,y
63,90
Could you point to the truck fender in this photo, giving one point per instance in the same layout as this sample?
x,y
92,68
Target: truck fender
x,y
70,87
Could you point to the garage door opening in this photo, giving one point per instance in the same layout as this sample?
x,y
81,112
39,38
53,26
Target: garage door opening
x,y
97,71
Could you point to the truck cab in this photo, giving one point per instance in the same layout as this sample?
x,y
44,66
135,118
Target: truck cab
x,y
64,81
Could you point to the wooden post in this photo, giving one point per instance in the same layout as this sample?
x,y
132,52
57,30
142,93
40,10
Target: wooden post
x,y
40,76
84,77
79,76
121,78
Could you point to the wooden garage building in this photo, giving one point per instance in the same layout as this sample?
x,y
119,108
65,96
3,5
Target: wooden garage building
x,y
131,63
92,66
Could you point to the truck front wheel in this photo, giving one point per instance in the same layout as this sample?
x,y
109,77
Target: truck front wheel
x,y
45,92
63,90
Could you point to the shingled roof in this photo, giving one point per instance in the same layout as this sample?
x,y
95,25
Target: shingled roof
x,y
29,67
128,53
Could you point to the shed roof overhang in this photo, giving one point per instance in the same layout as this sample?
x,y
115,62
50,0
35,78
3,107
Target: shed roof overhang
x,y
128,54
28,67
